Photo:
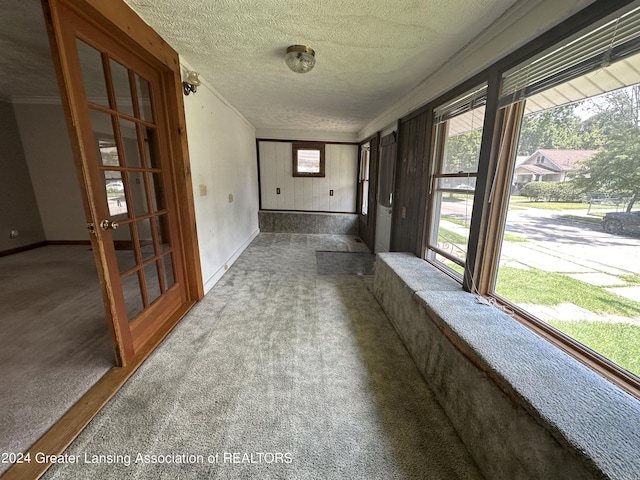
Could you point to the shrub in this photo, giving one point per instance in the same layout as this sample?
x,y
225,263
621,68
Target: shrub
x,y
552,192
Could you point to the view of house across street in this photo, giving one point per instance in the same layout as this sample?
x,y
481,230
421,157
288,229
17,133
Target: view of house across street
x,y
570,253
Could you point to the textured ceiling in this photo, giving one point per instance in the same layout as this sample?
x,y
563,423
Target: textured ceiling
x,y
370,53
26,69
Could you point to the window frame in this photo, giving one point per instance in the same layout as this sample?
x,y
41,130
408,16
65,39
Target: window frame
x,y
314,146
440,136
485,236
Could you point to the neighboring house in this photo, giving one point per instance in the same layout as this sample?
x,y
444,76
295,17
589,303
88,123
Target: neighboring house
x,y
549,166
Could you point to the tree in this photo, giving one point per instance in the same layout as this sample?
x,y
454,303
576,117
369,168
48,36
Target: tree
x,y
463,152
554,128
616,168
613,110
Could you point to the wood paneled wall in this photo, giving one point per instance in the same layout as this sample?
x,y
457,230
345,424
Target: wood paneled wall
x,y
308,194
411,184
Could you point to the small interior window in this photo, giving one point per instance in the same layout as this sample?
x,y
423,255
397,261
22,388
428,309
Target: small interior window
x,y
308,159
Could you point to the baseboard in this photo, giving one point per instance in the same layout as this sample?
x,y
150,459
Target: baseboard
x,y
209,284
68,242
24,248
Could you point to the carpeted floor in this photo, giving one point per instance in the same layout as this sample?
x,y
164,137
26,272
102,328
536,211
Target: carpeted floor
x,y
278,372
345,263
55,340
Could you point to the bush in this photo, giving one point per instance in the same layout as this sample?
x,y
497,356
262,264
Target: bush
x,y
551,192
535,191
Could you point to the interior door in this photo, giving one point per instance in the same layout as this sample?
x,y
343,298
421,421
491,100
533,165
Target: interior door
x,y
386,178
368,180
113,98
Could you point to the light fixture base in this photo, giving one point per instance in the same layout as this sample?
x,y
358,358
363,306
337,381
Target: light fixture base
x,y
300,58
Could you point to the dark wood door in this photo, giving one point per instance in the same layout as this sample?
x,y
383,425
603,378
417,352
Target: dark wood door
x,y
410,191
367,192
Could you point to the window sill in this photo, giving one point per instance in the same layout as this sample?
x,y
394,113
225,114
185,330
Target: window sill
x,y
523,407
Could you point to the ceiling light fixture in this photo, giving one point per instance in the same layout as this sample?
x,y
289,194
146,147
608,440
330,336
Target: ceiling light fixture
x,y
191,83
300,58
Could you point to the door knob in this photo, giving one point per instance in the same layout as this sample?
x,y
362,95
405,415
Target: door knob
x,y
108,224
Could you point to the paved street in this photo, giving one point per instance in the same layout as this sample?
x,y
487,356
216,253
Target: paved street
x,y
583,244
579,249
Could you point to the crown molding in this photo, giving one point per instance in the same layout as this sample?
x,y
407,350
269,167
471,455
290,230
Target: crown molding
x,y
204,83
36,100
305,135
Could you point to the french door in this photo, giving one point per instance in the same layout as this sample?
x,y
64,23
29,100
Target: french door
x,y
114,99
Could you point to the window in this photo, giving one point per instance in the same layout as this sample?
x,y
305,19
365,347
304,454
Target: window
x,y
458,133
556,242
365,155
308,159
570,250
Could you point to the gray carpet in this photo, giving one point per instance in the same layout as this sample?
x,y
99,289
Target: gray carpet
x,y
300,375
55,340
345,263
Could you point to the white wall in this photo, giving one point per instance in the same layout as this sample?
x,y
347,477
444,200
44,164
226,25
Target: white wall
x,y
18,206
46,145
222,150
308,194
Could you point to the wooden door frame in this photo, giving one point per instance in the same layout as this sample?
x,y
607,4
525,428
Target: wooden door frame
x,y
116,18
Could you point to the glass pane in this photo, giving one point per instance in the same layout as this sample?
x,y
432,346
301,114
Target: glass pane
x,y
153,281
121,87
132,295
167,263
449,263
130,143
157,193
123,243
462,149
151,147
104,138
452,210
458,186
92,74
114,187
145,239
308,161
144,99
138,193
570,253
164,238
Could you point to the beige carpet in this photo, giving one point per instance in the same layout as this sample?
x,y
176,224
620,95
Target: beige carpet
x,y
55,342
278,372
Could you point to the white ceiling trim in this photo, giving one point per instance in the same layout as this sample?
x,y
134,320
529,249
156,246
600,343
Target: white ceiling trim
x,y
204,83
305,135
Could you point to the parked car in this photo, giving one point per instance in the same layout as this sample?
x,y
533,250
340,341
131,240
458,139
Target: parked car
x,y
619,222
116,186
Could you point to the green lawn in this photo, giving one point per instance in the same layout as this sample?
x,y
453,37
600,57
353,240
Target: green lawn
x,y
555,205
447,236
457,221
509,237
549,288
619,342
631,279
616,341
594,219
